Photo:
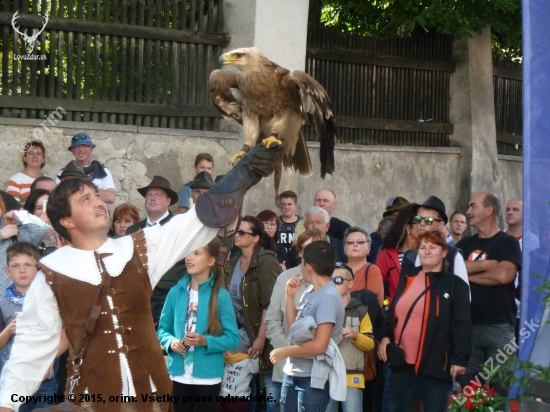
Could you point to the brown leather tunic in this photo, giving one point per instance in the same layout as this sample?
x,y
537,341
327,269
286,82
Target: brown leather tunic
x,y
129,306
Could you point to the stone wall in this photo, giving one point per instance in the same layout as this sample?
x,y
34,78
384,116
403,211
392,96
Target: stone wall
x,y
365,177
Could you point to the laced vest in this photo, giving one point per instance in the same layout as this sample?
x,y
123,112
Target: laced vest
x,y
125,326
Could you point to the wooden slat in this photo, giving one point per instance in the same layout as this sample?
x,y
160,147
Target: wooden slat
x,y
105,71
70,69
5,65
60,64
140,56
15,64
24,65
99,106
97,76
389,124
112,29
509,138
97,10
183,15
507,73
78,71
192,18
346,56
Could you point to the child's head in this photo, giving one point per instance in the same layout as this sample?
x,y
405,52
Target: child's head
x,y
319,259
206,259
204,162
288,203
21,259
343,279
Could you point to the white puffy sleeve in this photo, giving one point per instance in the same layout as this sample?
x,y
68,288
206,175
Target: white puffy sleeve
x,y
173,241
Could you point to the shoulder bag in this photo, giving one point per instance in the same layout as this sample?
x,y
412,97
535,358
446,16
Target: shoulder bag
x,y
395,354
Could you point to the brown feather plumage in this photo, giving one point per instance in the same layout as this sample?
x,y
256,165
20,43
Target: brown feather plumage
x,y
268,99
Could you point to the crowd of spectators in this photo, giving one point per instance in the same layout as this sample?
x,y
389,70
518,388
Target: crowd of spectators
x,y
297,290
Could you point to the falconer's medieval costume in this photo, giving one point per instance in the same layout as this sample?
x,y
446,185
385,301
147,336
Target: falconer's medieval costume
x,y
102,298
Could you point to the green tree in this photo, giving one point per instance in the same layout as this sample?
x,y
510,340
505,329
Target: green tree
x,y
459,18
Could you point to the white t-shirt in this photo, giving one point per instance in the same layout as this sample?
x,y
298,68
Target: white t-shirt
x,y
189,357
106,183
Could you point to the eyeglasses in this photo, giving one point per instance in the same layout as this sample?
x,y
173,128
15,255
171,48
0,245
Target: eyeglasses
x,y
242,233
356,242
75,138
270,224
427,220
338,280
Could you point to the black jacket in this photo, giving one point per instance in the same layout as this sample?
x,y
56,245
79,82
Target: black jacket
x,y
337,228
447,323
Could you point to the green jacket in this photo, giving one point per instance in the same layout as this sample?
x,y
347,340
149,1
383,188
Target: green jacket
x,y
256,288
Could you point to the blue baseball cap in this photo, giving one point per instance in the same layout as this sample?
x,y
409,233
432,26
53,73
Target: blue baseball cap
x,y
81,139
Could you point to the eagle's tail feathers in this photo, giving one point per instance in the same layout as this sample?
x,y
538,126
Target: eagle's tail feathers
x,y
328,135
301,160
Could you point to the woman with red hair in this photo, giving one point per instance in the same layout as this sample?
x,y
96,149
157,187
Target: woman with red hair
x,y
430,324
124,216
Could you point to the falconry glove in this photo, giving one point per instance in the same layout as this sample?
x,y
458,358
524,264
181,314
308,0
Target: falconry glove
x,y
221,205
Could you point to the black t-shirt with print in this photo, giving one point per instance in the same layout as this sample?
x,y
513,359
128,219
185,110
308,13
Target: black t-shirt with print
x,y
492,304
286,232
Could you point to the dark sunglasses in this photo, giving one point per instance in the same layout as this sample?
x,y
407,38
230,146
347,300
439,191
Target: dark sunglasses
x,y
338,280
242,233
75,138
427,220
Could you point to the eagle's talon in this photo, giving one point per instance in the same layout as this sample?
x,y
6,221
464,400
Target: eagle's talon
x,y
236,156
271,140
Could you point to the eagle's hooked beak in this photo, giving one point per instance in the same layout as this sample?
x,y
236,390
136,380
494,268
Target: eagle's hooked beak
x,y
225,59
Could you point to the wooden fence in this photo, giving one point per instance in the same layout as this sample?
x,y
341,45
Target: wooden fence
x,y
116,61
508,86
385,91
147,63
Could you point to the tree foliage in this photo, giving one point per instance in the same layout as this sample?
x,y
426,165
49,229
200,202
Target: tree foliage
x,y
459,18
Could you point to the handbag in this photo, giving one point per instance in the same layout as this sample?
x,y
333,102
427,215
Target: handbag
x,y
395,354
89,328
369,369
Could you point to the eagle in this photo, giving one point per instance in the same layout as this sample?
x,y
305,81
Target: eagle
x,y
272,104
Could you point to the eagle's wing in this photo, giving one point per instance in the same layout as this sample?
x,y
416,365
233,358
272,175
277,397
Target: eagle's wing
x,y
317,107
226,94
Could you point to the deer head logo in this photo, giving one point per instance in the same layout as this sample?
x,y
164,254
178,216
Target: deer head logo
x,y
29,40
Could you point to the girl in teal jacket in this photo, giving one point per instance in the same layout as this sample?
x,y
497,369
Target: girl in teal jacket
x,y
196,327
